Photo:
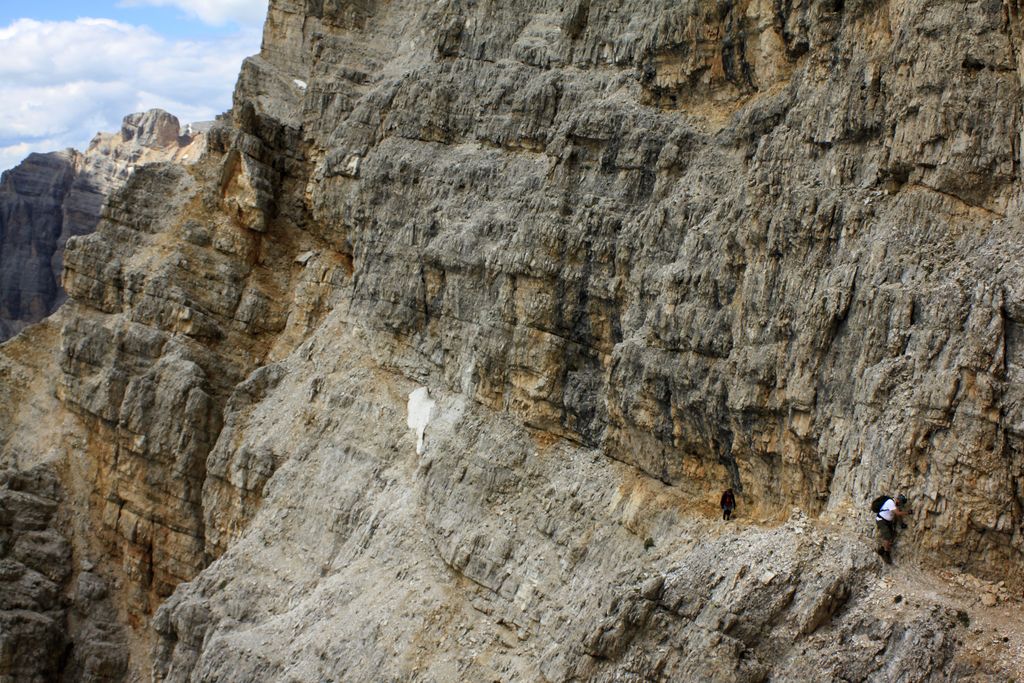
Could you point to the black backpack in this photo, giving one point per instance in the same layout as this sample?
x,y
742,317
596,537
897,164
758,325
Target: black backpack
x,y
877,503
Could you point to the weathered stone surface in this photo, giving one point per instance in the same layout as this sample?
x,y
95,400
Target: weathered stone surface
x,y
50,198
750,264
157,339
515,557
32,196
638,252
46,630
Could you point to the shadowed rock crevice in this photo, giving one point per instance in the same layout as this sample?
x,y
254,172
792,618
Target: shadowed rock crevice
x,y
58,622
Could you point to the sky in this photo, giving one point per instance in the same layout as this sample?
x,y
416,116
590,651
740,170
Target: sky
x,y
72,68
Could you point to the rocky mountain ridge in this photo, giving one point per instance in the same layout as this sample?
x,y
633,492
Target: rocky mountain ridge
x,y
49,198
637,252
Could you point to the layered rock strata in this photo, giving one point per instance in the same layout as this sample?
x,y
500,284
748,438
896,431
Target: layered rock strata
x,y
502,553
31,222
49,198
724,244
638,252
34,562
55,616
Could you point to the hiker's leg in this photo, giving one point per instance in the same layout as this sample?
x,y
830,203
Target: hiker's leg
x,y
885,534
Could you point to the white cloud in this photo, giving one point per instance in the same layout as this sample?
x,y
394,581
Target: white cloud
x,y
12,155
216,12
62,82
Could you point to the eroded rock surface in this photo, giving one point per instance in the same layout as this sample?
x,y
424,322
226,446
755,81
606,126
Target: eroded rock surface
x,y
49,198
638,253
55,620
728,245
501,554
31,221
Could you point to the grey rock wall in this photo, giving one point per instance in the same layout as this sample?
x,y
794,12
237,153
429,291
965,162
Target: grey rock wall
x,y
50,198
504,554
638,252
56,617
31,222
727,244
35,563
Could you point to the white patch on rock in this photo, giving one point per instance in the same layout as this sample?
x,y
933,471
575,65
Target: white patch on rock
x,y
352,164
301,85
421,410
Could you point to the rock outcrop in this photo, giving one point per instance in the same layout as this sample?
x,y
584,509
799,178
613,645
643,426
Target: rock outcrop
x,y
49,198
31,222
56,619
637,252
34,563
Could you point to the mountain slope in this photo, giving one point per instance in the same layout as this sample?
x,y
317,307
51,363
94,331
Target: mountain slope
x,y
638,253
49,198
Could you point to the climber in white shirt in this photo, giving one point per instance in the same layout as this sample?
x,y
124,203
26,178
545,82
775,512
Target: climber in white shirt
x,y
885,521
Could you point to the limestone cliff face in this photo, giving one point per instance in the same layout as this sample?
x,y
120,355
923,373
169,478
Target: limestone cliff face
x,y
49,198
639,252
56,618
31,222
725,243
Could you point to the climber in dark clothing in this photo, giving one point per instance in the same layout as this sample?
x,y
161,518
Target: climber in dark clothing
x,y
728,504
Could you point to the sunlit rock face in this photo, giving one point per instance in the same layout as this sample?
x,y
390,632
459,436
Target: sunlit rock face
x,y
49,198
434,365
